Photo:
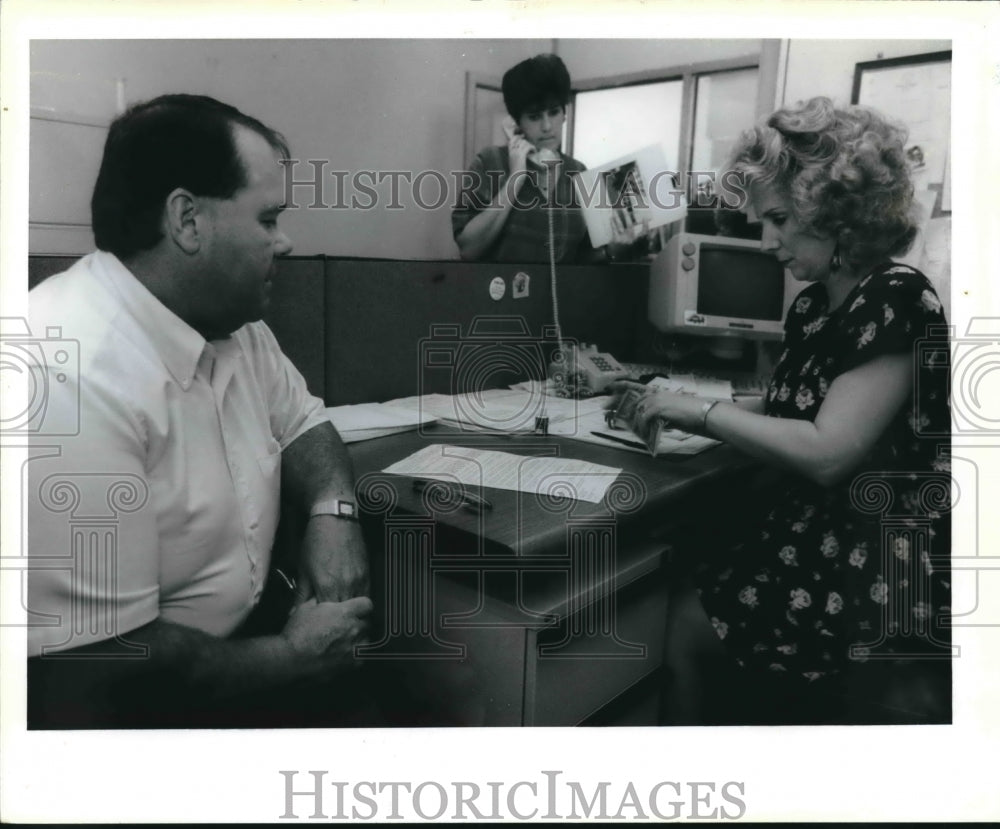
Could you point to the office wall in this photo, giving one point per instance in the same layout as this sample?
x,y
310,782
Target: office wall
x,y
373,105
625,56
363,105
826,67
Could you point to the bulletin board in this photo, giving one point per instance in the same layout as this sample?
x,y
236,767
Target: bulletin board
x,y
915,91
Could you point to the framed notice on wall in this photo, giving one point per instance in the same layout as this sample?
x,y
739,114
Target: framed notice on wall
x,y
915,91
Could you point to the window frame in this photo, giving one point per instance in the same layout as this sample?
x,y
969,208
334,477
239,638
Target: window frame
x,y
688,74
770,63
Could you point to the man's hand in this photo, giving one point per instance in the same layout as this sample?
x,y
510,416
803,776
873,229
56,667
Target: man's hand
x,y
328,632
334,561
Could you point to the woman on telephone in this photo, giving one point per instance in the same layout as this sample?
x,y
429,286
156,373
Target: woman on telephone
x,y
518,188
853,417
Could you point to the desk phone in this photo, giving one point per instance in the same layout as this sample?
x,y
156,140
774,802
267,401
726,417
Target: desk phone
x,y
583,371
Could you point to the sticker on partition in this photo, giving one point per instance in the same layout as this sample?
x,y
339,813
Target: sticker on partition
x,y
520,285
694,318
498,287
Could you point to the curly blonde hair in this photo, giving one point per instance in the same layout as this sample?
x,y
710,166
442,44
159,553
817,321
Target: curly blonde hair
x,y
844,171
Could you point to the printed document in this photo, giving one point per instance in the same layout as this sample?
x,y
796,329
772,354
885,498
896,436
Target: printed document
x,y
556,477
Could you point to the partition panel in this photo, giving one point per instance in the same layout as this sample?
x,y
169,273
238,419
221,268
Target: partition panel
x,y
391,325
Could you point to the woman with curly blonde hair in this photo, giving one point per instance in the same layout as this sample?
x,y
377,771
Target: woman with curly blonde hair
x,y
850,562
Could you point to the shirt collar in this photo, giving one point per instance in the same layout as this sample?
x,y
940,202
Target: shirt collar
x,y
178,345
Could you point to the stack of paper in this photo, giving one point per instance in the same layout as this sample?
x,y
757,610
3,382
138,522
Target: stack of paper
x,y
710,388
498,410
557,477
515,410
375,420
590,427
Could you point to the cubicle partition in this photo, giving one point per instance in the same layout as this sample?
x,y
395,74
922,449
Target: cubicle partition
x,y
42,267
395,329
295,314
363,330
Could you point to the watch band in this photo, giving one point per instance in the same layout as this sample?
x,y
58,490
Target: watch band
x,y
336,507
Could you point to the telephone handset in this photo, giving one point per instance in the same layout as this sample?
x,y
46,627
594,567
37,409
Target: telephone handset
x,y
540,156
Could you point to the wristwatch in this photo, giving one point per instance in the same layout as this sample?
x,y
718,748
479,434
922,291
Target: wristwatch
x,y
337,507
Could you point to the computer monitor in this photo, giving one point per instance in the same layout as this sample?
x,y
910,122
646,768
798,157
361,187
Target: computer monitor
x,y
719,286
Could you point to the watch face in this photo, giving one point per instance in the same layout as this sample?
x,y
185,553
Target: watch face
x,y
337,508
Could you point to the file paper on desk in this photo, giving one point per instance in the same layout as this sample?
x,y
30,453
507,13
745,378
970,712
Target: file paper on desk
x,y
498,410
373,420
708,388
670,442
655,435
557,477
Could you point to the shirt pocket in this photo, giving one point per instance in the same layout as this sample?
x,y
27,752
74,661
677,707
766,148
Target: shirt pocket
x,y
269,463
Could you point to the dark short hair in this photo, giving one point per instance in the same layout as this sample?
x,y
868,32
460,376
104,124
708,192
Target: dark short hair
x,y
535,83
844,171
157,146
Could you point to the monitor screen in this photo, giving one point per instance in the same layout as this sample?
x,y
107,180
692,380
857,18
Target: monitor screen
x,y
745,284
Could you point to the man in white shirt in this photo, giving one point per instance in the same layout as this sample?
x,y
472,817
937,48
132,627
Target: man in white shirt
x,y
150,529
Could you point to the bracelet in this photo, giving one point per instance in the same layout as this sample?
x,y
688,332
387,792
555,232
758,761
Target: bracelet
x,y
705,409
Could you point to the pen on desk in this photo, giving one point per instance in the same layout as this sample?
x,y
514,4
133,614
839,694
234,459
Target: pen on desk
x,y
624,441
469,500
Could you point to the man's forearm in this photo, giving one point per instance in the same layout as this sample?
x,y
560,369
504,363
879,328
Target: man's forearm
x,y
316,465
334,563
191,661
215,668
186,670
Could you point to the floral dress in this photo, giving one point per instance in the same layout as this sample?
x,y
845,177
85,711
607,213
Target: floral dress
x,y
861,568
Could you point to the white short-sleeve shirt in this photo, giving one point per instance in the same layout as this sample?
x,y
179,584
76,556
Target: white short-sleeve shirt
x,y
159,496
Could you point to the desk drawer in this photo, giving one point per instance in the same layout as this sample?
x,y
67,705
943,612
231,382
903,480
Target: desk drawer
x,y
582,664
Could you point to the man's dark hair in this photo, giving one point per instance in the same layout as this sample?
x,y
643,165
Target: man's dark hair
x,y
156,146
535,83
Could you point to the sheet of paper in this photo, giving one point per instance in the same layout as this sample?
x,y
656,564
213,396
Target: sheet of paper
x,y
358,435
672,441
562,477
375,416
505,410
712,387
707,387
370,420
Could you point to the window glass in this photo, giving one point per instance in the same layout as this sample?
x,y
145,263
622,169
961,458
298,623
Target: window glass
x,y
610,123
725,105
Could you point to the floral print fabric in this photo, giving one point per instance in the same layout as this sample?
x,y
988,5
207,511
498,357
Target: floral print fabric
x,y
864,563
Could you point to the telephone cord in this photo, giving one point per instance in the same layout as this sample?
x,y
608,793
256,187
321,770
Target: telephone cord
x,y
552,279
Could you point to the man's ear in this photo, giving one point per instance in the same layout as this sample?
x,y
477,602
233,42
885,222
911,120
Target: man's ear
x,y
179,218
